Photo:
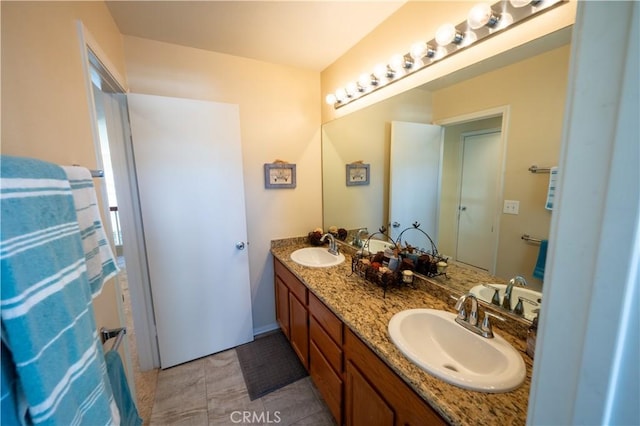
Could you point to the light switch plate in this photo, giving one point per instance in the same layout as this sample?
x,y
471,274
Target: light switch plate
x,y
511,207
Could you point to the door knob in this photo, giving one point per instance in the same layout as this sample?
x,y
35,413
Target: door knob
x,y
240,245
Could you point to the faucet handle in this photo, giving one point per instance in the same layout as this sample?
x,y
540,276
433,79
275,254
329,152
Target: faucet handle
x,y
519,309
462,314
485,327
495,300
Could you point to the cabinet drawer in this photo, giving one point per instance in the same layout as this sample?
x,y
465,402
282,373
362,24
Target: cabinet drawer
x,y
331,323
329,349
294,284
327,381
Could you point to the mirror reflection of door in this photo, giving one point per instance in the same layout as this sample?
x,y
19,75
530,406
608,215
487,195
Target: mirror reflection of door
x,y
478,202
414,187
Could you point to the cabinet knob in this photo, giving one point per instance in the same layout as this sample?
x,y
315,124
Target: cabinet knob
x,y
240,245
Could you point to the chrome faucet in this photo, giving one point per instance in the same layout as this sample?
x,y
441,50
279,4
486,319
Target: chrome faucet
x,y
506,300
471,323
333,247
473,315
358,240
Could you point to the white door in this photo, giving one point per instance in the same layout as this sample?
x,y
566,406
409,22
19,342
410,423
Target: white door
x,y
189,168
477,230
414,189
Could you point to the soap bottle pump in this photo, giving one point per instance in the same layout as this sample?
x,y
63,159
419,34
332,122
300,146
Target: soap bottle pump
x,y
532,334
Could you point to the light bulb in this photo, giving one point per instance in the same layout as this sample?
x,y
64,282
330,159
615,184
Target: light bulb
x,y
396,63
505,20
331,99
418,50
470,37
380,71
352,89
448,34
481,15
439,53
341,94
364,80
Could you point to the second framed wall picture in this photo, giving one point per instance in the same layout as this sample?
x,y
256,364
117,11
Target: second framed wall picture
x,y
357,174
279,175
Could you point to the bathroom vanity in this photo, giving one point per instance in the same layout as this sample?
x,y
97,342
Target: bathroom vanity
x,y
337,324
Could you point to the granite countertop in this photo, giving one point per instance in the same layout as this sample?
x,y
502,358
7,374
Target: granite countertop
x,y
362,307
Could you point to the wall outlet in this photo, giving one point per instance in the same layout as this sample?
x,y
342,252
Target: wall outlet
x,y
511,207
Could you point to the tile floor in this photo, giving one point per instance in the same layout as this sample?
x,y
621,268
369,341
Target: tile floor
x,y
211,391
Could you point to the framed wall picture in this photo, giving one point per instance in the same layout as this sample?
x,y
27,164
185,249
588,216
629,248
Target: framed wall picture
x,y
357,174
279,175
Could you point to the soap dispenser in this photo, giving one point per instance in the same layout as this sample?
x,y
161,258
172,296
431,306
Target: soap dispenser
x,y
532,333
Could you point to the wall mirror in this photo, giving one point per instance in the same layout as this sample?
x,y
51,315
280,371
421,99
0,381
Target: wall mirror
x,y
496,119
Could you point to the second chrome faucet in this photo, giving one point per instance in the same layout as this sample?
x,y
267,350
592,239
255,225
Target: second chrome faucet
x,y
506,300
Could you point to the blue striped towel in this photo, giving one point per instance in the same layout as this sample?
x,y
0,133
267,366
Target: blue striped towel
x,y
101,264
121,392
56,364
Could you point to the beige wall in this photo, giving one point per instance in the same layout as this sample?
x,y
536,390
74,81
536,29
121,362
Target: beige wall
x,y
45,112
534,90
45,109
418,21
279,119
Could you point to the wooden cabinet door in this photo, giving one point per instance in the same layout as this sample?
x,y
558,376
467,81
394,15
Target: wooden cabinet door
x,y
329,383
364,405
299,323
407,407
282,306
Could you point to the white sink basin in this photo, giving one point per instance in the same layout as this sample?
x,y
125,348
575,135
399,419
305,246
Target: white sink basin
x,y
316,257
373,246
485,293
436,343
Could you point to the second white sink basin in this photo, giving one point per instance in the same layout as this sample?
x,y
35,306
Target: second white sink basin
x,y
316,257
486,294
436,343
373,246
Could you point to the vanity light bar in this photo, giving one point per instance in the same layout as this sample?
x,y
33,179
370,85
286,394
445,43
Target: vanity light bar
x,y
483,21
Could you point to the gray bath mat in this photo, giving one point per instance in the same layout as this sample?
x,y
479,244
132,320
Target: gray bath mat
x,y
269,363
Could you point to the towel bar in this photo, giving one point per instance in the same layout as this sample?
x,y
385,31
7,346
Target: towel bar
x,y
118,333
529,239
94,173
536,169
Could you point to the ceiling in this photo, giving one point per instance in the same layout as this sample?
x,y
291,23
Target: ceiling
x,y
303,34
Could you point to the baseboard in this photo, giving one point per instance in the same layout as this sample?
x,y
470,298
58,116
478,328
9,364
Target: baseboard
x,y
265,329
